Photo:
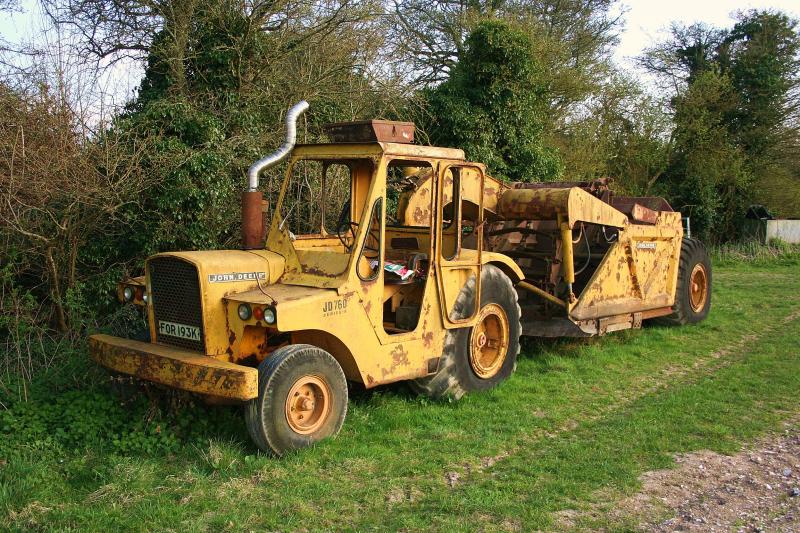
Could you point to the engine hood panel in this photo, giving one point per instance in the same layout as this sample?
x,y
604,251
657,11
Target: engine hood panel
x,y
221,273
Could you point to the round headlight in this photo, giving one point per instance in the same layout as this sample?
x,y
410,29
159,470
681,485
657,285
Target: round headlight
x,y
127,294
245,312
269,316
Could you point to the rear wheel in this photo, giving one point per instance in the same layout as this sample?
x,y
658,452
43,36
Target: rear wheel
x,y
302,399
483,356
693,291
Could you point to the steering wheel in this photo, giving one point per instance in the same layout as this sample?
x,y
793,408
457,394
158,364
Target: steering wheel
x,y
346,230
344,227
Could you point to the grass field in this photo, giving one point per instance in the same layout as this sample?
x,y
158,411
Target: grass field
x,y
574,428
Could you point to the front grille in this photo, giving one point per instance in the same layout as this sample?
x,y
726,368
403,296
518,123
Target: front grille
x,y
175,293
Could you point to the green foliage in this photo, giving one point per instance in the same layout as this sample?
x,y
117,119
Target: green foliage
x,y
622,135
78,420
493,106
604,412
736,134
708,178
760,53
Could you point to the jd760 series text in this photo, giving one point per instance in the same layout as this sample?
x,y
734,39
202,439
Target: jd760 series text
x,y
385,261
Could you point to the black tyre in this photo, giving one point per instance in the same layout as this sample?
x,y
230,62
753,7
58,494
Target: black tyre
x,y
302,399
693,291
480,357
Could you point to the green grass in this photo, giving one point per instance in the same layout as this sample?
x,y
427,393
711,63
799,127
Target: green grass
x,y
753,252
573,429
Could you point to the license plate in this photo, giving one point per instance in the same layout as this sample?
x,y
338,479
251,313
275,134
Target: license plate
x,y
179,330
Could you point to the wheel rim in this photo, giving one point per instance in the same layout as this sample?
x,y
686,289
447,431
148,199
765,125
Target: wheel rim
x,y
698,287
489,341
308,404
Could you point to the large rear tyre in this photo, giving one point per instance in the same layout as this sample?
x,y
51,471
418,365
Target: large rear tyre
x,y
693,291
485,355
302,399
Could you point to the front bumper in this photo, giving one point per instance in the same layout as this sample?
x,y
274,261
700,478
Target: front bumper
x,y
180,369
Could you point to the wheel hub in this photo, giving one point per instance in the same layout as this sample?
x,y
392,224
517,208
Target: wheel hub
x,y
698,287
308,404
489,341
481,340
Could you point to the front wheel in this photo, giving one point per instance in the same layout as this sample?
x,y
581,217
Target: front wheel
x,y
302,399
483,356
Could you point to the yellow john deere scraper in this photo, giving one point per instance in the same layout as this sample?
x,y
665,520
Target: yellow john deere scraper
x,y
387,261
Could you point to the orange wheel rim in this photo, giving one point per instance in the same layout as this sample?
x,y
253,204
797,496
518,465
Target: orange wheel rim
x,y
308,404
698,288
489,341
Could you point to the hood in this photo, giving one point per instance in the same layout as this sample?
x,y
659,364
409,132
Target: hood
x,y
221,273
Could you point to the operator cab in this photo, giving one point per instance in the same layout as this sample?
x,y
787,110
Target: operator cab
x,y
342,205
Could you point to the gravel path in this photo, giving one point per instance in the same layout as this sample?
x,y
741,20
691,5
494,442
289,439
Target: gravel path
x,y
757,489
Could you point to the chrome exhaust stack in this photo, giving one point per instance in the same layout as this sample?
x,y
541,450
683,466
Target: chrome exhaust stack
x,y
252,198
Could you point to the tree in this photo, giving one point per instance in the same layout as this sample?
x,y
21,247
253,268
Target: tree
x,y
686,53
761,55
222,109
623,133
429,36
708,177
494,104
735,108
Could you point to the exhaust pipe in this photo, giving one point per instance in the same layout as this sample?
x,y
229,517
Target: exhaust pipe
x,y
252,212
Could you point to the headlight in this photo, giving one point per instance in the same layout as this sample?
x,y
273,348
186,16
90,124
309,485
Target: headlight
x,y
269,316
245,312
127,294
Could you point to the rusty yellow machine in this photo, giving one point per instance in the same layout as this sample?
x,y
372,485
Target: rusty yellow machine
x,y
388,261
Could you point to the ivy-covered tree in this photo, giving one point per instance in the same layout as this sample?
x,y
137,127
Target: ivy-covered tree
x,y
493,106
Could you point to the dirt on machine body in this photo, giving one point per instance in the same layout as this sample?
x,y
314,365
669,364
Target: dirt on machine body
x,y
385,261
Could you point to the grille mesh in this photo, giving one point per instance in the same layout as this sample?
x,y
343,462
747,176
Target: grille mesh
x,y
176,298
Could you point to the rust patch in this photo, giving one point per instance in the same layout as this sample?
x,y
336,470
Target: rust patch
x,y
368,307
314,271
367,285
421,215
399,358
370,380
174,368
427,339
399,355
